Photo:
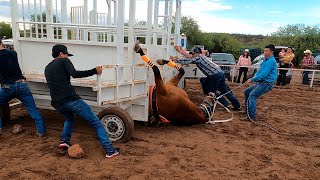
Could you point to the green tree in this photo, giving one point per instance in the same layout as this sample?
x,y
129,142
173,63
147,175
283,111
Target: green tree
x,y
5,30
190,27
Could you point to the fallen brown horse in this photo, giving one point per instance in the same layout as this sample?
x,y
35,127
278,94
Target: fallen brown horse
x,y
173,103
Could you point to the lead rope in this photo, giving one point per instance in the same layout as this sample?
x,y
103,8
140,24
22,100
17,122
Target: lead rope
x,y
261,124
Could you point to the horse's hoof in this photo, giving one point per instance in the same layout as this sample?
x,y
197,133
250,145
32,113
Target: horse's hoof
x,y
137,46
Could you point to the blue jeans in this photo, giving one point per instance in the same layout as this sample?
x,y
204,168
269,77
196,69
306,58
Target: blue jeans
x,y
305,80
22,92
218,83
70,110
204,83
251,95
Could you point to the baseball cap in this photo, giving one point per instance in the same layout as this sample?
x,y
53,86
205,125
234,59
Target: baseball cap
x,y
58,48
195,50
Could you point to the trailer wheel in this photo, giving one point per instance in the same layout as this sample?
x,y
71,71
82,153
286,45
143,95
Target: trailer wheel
x,y
118,124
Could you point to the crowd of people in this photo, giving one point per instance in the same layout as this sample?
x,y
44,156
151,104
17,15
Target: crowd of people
x,y
286,57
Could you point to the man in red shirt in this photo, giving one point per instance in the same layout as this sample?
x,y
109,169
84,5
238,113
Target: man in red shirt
x,y
307,63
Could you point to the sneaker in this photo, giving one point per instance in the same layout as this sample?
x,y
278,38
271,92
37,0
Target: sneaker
x,y
113,153
242,112
237,109
42,136
63,148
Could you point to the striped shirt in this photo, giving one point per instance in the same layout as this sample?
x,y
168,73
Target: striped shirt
x,y
206,66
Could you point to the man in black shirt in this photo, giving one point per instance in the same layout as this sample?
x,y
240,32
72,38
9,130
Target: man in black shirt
x,y
68,103
13,85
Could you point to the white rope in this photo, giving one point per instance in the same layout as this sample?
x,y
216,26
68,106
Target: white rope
x,y
258,123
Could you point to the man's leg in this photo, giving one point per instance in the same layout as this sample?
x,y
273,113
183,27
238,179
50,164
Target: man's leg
x,y
70,118
4,114
224,88
284,76
258,91
86,113
25,96
240,74
5,97
246,96
207,84
305,80
245,71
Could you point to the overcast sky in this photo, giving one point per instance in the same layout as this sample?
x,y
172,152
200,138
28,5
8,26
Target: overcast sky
x,y
229,16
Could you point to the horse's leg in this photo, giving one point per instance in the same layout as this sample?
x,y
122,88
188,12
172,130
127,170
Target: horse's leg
x,y
161,89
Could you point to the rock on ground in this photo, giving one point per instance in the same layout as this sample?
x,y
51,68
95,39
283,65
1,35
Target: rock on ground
x,y
75,151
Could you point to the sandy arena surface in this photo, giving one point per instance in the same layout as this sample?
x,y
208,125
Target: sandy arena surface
x,y
233,150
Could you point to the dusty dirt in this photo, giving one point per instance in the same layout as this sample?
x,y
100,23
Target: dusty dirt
x,y
233,150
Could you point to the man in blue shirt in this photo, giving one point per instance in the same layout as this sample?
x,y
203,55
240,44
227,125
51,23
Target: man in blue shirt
x,y
264,81
13,85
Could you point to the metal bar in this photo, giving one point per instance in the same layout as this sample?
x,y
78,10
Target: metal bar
x,y
155,22
165,25
149,26
312,79
29,13
120,33
36,18
94,18
169,28
99,101
49,18
109,19
41,18
16,30
64,14
24,25
85,19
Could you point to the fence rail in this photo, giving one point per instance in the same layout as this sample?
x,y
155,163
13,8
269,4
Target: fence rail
x,y
234,67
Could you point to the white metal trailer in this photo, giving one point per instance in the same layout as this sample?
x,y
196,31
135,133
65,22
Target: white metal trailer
x,y
120,94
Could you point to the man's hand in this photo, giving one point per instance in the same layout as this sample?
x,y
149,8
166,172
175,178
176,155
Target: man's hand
x,y
99,70
248,81
177,48
173,58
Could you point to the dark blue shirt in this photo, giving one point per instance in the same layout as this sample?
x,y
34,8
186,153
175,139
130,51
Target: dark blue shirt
x,y
10,70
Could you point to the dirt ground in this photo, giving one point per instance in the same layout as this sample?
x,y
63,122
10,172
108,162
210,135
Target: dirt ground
x,y
233,150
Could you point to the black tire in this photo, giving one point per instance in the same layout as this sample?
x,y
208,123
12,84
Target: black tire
x,y
120,118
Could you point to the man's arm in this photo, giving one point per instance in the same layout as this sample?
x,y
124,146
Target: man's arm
x,y
187,60
181,51
78,74
263,72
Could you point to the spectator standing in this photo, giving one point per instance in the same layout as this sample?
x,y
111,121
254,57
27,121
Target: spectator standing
x,y
285,62
244,60
307,63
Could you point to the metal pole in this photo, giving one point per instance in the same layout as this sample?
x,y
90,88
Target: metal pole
x,y
85,19
149,25
115,12
312,79
120,32
94,18
49,18
132,13
169,28
15,28
155,22
35,18
178,23
64,15
109,19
